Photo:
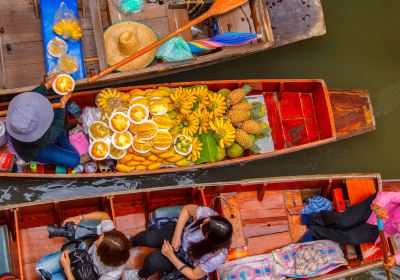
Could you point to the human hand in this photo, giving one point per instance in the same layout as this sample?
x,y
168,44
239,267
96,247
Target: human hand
x,y
390,263
64,100
167,250
76,220
380,212
65,260
49,82
176,243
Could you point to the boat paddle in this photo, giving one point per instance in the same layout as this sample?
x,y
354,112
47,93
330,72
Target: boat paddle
x,y
384,247
218,8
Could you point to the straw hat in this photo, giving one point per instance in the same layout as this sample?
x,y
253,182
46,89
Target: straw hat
x,y
128,37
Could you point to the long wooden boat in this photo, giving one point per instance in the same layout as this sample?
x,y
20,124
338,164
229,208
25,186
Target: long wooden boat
x,y
325,115
262,211
22,60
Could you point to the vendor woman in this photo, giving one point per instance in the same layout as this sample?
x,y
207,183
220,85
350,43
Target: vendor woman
x,y
37,130
357,224
195,250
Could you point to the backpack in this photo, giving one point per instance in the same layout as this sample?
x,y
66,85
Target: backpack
x,y
82,266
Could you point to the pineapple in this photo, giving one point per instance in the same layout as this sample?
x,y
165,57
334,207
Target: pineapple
x,y
242,106
239,116
243,139
252,126
247,141
236,96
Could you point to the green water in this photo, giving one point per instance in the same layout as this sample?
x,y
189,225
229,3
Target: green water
x,y
361,50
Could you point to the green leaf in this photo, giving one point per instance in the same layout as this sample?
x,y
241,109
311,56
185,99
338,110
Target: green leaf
x,y
210,149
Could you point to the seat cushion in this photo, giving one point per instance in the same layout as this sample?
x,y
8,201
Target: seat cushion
x,y
169,211
4,251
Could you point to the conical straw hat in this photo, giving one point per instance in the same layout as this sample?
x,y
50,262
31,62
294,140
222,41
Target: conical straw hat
x,y
128,37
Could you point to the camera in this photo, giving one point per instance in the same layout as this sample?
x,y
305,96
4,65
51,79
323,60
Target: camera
x,y
67,231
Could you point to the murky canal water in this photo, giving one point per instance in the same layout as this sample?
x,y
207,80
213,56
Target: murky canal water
x,y
360,50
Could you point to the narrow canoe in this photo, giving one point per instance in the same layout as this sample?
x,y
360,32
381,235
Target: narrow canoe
x,y
22,60
262,211
325,115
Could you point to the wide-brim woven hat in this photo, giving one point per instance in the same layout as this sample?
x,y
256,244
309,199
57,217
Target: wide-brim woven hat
x,y
29,116
125,38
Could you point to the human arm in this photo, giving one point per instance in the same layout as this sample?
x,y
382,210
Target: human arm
x,y
383,199
98,216
187,211
66,264
190,273
43,89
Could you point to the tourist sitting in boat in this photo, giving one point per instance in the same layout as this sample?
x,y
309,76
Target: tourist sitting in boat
x,y
37,130
357,224
109,253
194,251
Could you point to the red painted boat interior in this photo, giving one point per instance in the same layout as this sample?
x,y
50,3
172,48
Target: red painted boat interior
x,y
264,216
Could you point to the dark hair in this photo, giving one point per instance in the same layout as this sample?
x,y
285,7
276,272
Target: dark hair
x,y
217,235
114,249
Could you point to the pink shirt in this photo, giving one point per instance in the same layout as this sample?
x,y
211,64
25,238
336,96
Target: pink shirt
x,y
391,202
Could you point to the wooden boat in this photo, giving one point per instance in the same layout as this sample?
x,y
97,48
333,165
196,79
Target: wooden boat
x,y
262,211
23,62
325,115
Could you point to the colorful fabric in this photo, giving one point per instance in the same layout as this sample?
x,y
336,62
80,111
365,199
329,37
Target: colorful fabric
x,y
228,39
309,259
391,202
281,263
316,204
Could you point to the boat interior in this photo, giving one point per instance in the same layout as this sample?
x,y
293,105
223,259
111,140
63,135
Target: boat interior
x,y
299,112
23,57
264,214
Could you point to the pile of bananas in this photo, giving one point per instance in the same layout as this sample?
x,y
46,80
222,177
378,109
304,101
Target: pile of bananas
x,y
68,29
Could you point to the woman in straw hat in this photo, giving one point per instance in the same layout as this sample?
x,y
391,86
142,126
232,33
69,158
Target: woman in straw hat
x,y
37,130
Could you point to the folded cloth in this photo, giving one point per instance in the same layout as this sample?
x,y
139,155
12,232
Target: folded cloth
x,y
316,204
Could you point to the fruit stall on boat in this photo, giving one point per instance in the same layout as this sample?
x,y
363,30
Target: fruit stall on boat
x,y
175,127
263,212
36,39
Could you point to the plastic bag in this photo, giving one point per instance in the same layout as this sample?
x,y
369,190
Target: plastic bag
x,y
89,116
67,64
79,141
66,24
129,6
175,49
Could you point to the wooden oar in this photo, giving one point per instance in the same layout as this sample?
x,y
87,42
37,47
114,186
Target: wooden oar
x,y
384,247
218,8
54,105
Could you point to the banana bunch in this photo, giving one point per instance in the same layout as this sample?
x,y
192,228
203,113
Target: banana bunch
x,y
197,147
108,99
224,132
217,106
151,160
189,124
183,100
68,29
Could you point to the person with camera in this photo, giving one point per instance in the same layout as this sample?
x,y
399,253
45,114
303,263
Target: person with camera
x,y
108,254
192,251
